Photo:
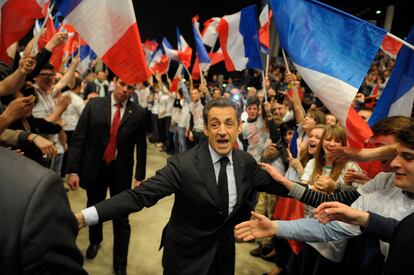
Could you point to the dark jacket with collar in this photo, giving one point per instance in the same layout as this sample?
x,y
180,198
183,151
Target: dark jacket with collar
x,y
197,229
91,137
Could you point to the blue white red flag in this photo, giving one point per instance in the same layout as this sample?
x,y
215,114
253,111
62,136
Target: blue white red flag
x,y
332,51
264,31
239,40
210,33
159,62
183,56
16,19
110,29
202,54
176,79
397,97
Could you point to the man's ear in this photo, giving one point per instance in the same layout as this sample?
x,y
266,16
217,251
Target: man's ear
x,y
205,130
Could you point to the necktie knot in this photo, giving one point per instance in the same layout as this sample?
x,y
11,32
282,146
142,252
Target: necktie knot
x,y
224,161
118,105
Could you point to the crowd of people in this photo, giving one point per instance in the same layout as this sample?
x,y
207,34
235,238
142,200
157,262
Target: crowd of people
x,y
285,158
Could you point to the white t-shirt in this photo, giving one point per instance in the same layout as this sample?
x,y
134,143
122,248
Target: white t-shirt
x,y
73,112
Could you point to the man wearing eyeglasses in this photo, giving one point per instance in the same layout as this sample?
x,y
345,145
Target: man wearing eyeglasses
x,y
101,156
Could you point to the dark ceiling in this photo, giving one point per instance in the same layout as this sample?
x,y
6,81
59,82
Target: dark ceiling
x,y
159,18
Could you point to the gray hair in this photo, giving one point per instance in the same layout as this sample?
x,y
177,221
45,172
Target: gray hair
x,y
220,103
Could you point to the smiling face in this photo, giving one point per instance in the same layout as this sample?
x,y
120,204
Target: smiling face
x,y
222,129
330,142
403,166
313,140
308,122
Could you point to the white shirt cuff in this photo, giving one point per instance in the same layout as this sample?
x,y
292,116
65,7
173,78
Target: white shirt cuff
x,y
90,215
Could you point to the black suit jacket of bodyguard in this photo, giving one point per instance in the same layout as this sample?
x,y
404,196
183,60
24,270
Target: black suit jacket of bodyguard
x,y
91,137
38,230
197,228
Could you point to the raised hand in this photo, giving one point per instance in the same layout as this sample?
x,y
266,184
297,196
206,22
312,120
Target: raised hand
x,y
331,211
27,64
325,184
18,108
259,227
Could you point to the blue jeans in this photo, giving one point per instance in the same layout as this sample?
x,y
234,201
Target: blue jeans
x,y
182,142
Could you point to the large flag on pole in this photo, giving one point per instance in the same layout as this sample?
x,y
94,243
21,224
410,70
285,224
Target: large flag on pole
x,y
264,32
239,40
398,96
159,62
202,55
17,17
332,51
110,29
183,56
209,33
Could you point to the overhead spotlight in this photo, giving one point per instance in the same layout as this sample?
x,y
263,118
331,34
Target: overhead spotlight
x,y
378,12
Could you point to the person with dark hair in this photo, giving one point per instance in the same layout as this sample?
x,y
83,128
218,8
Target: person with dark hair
x,y
211,183
32,125
98,87
387,200
99,164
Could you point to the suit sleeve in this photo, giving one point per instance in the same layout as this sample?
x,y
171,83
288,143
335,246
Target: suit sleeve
x,y
141,149
263,182
78,140
49,232
165,182
380,226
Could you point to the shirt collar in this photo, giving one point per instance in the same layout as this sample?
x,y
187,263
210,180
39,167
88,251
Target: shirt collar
x,y
216,156
113,101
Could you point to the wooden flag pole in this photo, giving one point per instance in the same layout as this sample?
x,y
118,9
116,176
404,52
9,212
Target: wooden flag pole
x,y
264,87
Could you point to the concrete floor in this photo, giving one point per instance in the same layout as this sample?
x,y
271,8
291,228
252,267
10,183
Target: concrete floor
x,y
146,226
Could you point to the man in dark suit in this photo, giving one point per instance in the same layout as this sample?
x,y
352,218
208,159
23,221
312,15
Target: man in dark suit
x,y
211,183
102,156
38,231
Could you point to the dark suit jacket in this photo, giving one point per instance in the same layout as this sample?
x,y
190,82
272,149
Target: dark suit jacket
x,y
91,137
197,228
38,230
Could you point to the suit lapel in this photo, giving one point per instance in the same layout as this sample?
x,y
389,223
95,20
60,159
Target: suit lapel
x,y
127,113
205,168
108,111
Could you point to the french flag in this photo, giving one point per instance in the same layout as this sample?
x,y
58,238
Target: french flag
x,y
210,33
110,29
398,96
239,40
332,51
176,55
159,62
215,58
264,31
202,55
16,19
48,34
149,46
184,51
176,79
86,56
